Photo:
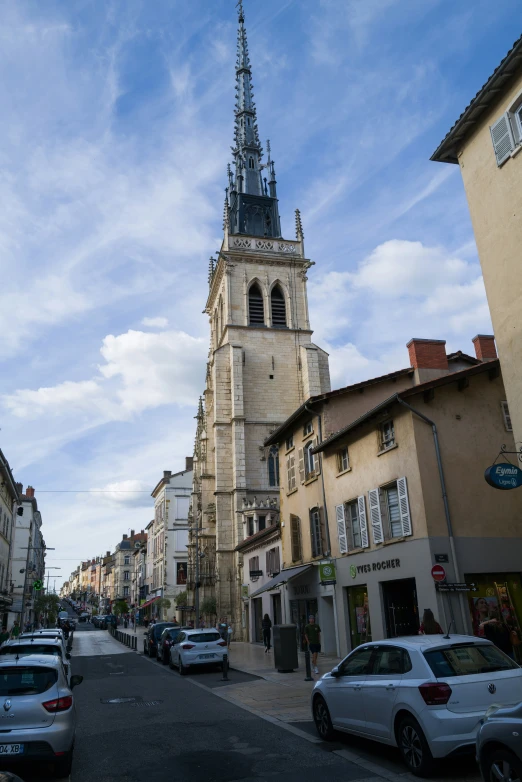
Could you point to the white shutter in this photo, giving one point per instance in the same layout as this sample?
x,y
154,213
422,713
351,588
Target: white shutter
x,y
292,471
317,460
502,137
301,465
341,528
404,507
361,506
375,516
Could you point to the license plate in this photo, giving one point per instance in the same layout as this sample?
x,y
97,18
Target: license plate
x,y
206,656
11,749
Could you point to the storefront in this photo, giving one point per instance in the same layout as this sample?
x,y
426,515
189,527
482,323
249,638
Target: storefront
x,y
496,609
306,595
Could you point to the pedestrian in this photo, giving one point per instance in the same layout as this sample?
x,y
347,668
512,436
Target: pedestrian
x,y
15,630
429,625
223,628
266,625
313,639
230,630
4,635
496,631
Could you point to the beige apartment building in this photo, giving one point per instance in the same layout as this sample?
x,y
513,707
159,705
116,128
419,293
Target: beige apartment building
x,y
486,142
361,491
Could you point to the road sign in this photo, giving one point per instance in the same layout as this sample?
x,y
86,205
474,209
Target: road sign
x,y
438,573
456,587
37,584
440,558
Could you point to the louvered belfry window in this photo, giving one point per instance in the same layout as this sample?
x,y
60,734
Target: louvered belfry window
x,y
278,308
256,310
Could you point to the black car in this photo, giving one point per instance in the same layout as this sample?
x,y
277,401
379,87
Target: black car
x,y
153,635
168,637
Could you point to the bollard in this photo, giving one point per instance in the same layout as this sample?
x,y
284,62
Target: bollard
x,y
308,677
225,678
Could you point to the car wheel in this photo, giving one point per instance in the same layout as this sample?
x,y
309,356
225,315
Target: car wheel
x,y
323,722
414,748
62,766
502,766
183,671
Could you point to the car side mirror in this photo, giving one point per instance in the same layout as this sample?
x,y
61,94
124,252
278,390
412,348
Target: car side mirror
x,y
67,655
335,672
75,681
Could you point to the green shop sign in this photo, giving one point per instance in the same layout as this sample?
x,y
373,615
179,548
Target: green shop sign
x,y
327,573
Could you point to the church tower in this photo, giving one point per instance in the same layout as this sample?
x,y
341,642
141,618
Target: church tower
x,y
262,363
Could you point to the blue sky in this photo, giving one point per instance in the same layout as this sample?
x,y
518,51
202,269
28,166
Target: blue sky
x,y
117,121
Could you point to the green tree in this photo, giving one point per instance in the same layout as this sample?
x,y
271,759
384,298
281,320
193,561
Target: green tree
x,y
46,606
121,607
208,606
181,599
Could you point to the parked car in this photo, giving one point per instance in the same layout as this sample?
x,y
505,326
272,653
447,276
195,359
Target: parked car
x,y
499,744
197,647
37,635
37,700
22,647
152,636
166,640
426,694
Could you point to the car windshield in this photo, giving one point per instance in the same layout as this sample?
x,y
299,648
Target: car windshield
x,y
204,637
26,681
467,660
31,649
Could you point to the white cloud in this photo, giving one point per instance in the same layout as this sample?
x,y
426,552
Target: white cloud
x,y
160,323
141,371
131,492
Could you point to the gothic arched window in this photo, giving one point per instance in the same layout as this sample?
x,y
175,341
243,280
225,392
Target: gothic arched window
x,y
256,310
278,308
273,466
251,162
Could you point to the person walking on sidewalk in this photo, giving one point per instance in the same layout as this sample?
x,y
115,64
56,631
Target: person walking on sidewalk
x,y
266,624
313,639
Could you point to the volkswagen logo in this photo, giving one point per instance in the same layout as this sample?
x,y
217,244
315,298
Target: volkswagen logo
x,y
491,688
7,705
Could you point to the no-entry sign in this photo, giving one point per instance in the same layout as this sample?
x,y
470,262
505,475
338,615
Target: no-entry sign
x,y
438,573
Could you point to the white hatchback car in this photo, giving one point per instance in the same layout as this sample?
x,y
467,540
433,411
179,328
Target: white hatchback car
x,y
197,647
425,694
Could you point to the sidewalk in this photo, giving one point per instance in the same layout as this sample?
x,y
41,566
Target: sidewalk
x,y
282,696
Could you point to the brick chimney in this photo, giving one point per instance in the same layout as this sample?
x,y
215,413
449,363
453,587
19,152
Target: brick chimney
x,y
167,475
19,488
484,345
132,533
125,537
29,492
189,463
428,358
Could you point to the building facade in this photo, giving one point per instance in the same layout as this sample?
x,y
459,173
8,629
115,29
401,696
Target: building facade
x,y
486,142
28,557
9,499
262,362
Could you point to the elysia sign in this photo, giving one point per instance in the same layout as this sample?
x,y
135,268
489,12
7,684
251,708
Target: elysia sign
x,y
504,476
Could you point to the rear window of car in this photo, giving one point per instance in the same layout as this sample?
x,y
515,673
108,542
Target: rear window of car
x,y
158,629
26,680
32,649
203,637
467,660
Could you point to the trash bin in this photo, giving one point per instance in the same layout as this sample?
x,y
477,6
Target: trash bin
x,y
285,648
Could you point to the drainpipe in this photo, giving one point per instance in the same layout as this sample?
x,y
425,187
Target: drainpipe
x,y
444,499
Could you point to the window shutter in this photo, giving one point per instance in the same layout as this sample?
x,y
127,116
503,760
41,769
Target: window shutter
x,y
317,460
502,137
341,529
301,465
404,506
507,417
375,516
361,506
292,471
295,534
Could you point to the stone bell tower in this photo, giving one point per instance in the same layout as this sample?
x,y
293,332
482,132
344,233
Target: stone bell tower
x,y
262,363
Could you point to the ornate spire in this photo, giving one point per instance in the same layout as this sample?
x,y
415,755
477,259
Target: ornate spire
x,y
298,225
248,215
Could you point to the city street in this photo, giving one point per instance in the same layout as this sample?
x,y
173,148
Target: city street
x,y
139,720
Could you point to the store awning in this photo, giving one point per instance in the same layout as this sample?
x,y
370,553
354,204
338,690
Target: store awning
x,y
148,603
282,578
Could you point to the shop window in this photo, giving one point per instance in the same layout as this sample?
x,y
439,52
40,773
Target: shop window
x,y
273,466
342,460
316,532
295,536
387,435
